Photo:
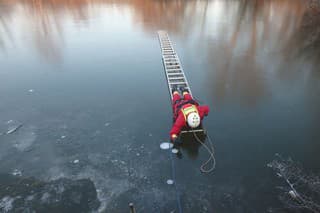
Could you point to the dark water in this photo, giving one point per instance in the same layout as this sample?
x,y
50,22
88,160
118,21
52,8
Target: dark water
x,y
85,79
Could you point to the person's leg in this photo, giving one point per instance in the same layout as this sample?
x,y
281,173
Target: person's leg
x,y
187,96
175,100
176,97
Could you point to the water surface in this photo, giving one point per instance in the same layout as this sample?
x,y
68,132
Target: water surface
x,y
86,80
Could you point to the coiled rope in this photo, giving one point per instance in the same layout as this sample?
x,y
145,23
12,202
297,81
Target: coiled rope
x,y
211,153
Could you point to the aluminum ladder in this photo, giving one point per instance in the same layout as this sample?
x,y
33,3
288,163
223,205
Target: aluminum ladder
x,y
171,63
173,69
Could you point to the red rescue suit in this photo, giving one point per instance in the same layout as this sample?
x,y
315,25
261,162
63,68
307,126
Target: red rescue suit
x,y
181,108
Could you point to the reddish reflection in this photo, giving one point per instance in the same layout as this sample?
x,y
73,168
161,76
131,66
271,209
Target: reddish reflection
x,y
5,17
176,16
242,39
263,39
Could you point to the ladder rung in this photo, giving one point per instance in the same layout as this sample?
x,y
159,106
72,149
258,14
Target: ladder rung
x,y
174,70
170,57
173,67
176,83
168,53
172,63
175,75
194,130
185,86
177,78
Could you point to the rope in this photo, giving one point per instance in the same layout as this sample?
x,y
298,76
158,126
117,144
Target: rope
x,y
211,153
173,170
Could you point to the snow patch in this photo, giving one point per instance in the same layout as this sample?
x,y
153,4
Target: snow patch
x,y
6,203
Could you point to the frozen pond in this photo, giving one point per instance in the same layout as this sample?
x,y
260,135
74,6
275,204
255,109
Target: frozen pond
x,y
84,104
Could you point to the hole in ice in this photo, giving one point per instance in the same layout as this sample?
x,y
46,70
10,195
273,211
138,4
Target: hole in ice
x,y
166,145
174,151
169,182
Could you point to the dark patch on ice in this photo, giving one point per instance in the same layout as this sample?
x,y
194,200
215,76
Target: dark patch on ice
x,y
62,195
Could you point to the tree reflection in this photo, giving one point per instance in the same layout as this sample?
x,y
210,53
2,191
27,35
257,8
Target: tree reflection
x,y
241,77
260,40
5,17
308,33
44,19
246,30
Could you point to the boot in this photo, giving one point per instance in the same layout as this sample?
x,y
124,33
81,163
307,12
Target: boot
x,y
183,89
174,88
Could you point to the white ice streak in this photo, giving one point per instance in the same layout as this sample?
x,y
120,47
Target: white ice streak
x,y
12,130
6,203
25,140
16,172
293,194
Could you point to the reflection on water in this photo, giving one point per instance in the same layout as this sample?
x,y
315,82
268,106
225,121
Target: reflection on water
x,y
272,22
255,41
190,144
254,61
247,30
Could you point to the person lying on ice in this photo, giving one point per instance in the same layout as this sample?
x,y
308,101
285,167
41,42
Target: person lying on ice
x,y
186,112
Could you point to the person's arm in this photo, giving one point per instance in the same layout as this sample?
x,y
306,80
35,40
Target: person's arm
x,y
203,110
177,126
